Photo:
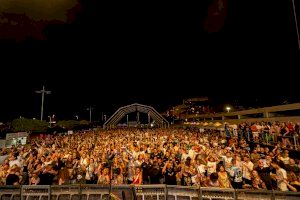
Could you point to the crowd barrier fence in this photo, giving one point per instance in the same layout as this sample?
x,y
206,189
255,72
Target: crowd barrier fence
x,y
137,192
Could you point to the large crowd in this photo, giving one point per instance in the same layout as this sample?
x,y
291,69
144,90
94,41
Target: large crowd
x,y
185,157
283,134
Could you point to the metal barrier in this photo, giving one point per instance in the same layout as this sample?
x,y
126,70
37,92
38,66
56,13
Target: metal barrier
x,y
35,192
254,194
137,192
153,192
123,190
286,195
65,192
271,139
96,192
10,193
89,192
217,194
183,192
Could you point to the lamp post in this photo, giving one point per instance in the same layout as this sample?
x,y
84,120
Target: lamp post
x,y
228,109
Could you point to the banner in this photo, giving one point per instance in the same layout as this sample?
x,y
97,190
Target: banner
x,y
11,136
2,143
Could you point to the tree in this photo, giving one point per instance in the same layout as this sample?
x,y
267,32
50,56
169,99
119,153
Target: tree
x,y
84,122
29,125
68,124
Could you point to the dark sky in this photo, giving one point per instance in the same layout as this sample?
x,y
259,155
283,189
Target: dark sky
x,y
112,54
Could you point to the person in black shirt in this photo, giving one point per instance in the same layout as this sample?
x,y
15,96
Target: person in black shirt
x,y
58,164
264,173
169,172
25,177
155,173
47,175
161,166
146,168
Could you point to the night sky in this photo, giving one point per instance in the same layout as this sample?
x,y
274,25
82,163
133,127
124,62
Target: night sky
x,y
156,53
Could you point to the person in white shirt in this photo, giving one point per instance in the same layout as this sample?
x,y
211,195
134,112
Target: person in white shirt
x,y
227,161
285,157
184,155
281,177
14,161
247,168
192,154
211,166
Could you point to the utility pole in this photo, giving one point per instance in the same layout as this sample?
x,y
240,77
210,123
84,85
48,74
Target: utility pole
x,y
138,118
149,119
43,92
90,109
296,23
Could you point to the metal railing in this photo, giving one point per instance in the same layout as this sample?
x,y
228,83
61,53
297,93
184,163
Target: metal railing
x,y
269,139
137,192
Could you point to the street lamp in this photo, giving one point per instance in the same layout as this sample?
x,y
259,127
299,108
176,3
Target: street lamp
x,y
228,108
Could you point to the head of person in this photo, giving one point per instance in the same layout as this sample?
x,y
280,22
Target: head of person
x,y
188,161
228,154
221,168
214,177
285,154
292,162
117,171
267,150
170,164
137,170
254,174
246,158
211,159
105,171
